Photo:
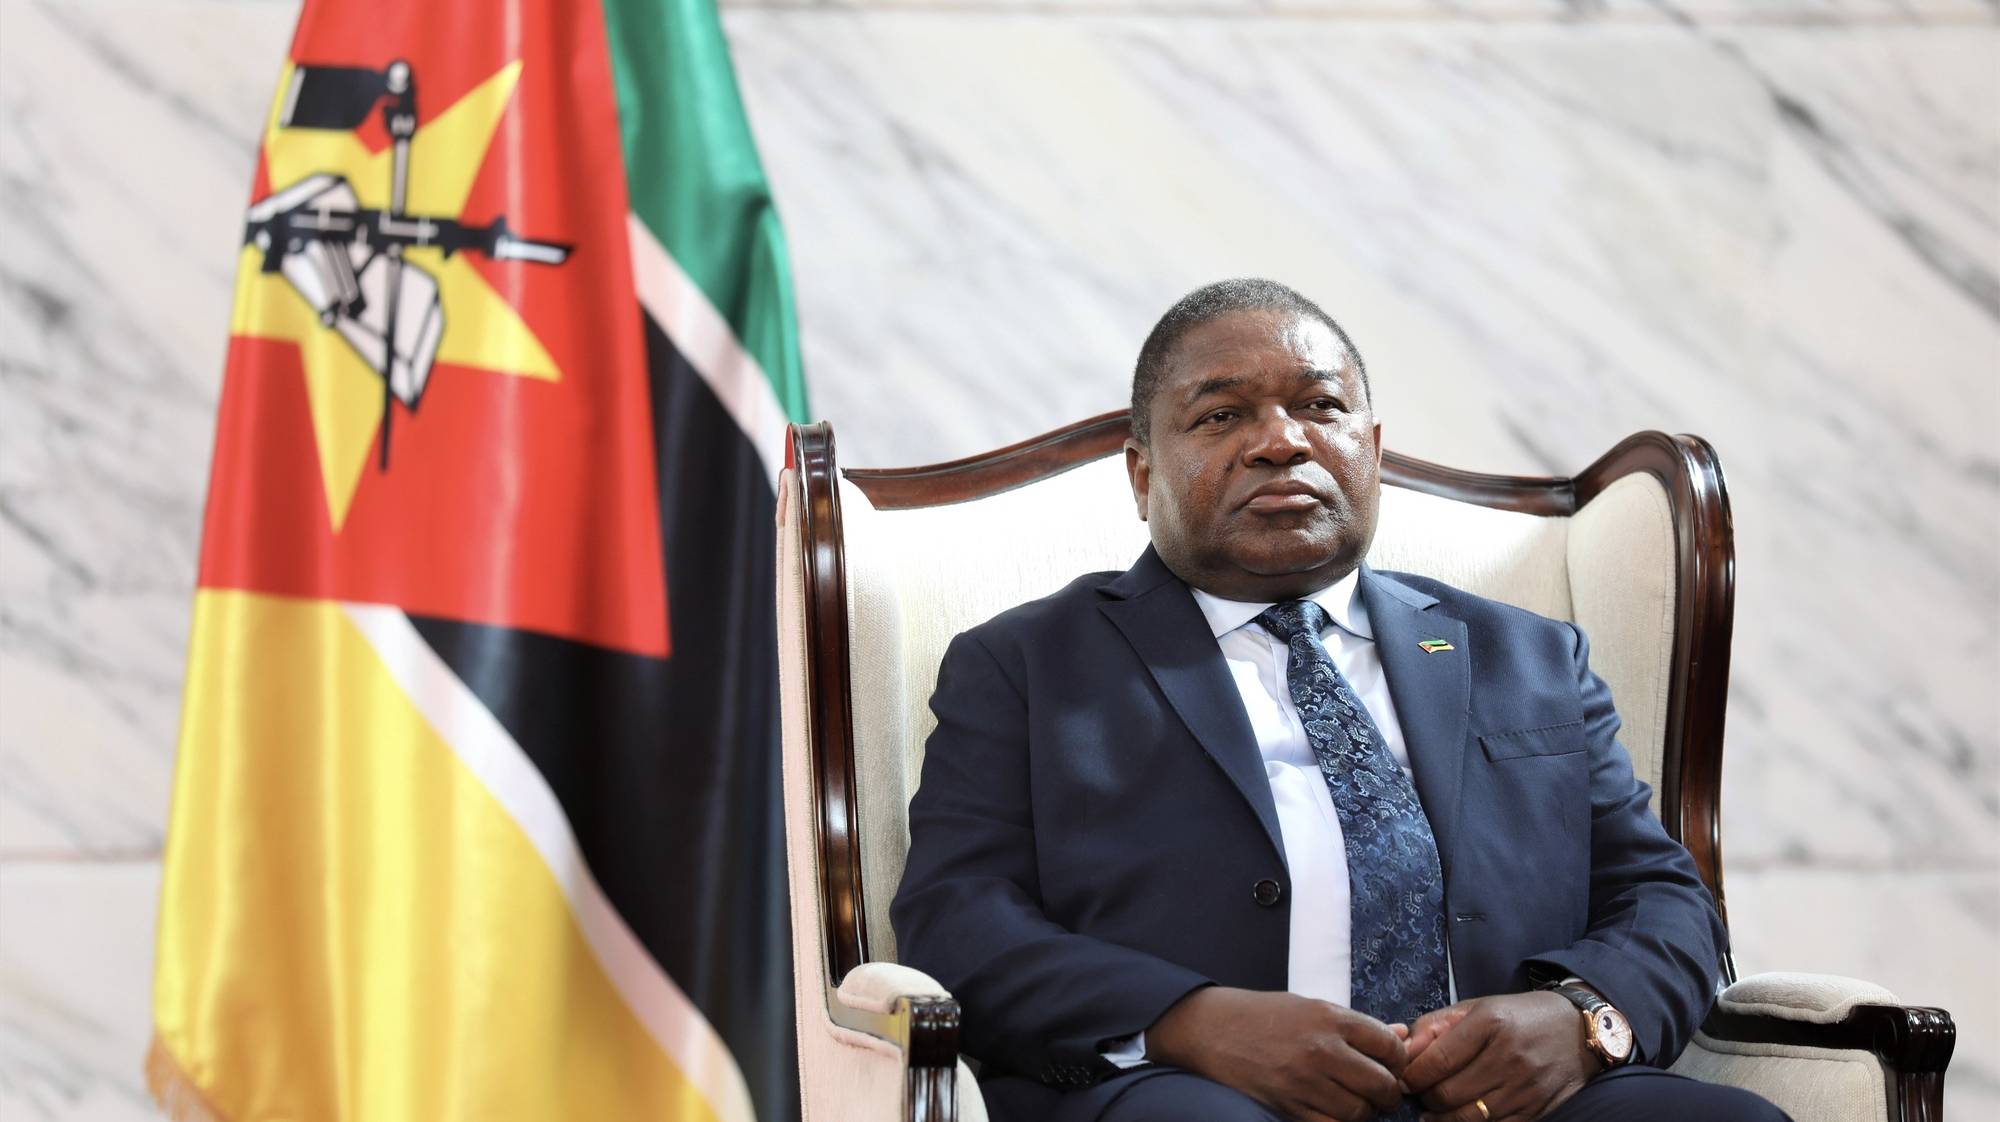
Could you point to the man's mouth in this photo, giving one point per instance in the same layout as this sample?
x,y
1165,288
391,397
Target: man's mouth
x,y
1272,498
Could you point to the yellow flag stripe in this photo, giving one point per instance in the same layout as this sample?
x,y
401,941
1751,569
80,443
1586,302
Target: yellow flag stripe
x,y
352,926
493,757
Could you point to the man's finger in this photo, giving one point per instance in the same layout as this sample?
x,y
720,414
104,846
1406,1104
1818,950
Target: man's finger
x,y
1331,1100
1378,1042
1484,1078
1437,1018
1433,1024
1449,1053
1361,1076
1470,1113
1502,1105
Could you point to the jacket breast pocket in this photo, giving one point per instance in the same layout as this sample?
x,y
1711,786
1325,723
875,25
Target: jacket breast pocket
x,y
1548,740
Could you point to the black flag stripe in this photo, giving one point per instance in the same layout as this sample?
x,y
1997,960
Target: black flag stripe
x,y
669,769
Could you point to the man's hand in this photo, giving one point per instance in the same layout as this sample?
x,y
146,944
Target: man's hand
x,y
1310,1060
1522,1054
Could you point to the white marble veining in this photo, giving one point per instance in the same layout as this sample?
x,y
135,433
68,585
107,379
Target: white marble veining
x,y
126,160
1772,222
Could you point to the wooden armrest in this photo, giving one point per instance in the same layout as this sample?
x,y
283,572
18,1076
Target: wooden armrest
x,y
911,1011
1914,1042
1909,1038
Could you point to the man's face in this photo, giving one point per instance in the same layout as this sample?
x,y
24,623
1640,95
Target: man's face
x,y
1265,461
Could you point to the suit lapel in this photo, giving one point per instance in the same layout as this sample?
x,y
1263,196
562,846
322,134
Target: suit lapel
x,y
1170,635
1432,692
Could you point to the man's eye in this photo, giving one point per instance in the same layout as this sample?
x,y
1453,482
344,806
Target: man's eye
x,y
1218,417
1326,405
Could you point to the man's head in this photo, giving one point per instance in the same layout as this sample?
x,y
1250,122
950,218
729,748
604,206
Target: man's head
x,y
1255,458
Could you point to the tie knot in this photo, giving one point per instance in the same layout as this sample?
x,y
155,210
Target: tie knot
x,y
1290,620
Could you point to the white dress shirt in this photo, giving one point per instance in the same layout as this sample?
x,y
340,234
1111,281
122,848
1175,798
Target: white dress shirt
x,y
1315,852
1319,964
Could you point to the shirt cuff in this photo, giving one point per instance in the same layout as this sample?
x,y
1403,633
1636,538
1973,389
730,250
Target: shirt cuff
x,y
1126,1051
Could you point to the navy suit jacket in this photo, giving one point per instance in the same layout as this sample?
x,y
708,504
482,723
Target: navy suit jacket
x,y
1094,821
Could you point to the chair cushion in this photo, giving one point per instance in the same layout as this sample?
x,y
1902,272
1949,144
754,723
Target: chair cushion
x,y
915,579
1623,563
1820,1084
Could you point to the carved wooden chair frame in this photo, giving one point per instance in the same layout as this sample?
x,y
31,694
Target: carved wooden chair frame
x,y
1913,1043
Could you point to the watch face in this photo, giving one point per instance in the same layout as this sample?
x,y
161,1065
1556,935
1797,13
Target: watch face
x,y
1613,1033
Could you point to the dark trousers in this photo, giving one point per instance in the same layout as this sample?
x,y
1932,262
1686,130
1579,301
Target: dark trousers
x,y
1627,1094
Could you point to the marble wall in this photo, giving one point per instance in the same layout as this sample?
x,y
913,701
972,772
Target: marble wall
x,y
1548,224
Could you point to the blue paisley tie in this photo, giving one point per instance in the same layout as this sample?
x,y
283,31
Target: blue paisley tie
x,y
1395,887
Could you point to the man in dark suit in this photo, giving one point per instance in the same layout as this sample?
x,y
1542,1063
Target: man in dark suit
x,y
1251,831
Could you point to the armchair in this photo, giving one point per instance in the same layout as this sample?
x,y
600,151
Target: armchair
x,y
878,569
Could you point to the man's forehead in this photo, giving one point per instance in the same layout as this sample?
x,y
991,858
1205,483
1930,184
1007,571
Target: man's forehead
x,y
1305,374
1313,341
1227,351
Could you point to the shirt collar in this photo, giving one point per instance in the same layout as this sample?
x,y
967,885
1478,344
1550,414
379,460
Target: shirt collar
x,y
1341,599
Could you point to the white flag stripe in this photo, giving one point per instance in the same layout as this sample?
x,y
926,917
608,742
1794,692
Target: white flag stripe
x,y
706,340
491,754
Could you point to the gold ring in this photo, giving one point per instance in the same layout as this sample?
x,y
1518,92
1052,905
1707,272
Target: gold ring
x,y
1483,1112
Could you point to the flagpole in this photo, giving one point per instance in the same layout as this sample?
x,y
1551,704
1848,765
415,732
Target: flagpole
x,y
401,115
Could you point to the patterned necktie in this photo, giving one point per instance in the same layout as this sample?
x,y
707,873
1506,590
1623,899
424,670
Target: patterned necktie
x,y
1396,890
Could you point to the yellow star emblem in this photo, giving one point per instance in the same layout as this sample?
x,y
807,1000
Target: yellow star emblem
x,y
482,329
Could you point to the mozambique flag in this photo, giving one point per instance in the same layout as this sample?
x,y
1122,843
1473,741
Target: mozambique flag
x,y
476,813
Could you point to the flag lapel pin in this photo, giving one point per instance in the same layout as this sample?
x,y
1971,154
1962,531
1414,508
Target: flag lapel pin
x,y
1433,646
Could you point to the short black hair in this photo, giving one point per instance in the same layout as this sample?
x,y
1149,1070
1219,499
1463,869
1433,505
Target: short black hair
x,y
1203,305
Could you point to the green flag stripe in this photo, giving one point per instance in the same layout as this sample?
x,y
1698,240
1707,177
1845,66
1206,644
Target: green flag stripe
x,y
694,178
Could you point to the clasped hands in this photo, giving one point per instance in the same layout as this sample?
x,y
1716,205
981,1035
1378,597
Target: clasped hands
x,y
1519,1054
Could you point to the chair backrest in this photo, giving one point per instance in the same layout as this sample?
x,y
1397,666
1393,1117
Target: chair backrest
x,y
890,565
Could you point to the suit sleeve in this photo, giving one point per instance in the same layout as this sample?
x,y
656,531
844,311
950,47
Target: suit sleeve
x,y
1038,999
1654,943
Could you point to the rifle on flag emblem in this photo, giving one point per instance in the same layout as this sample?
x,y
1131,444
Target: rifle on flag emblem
x,y
347,260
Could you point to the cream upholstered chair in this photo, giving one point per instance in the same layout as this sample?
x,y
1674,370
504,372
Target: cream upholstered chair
x,y
877,570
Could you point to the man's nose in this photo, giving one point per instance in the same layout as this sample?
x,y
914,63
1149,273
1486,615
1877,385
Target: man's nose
x,y
1278,438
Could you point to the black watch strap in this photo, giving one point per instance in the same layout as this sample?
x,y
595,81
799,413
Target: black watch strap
x,y
1582,998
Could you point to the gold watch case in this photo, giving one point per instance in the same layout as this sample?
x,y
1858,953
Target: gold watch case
x,y
1605,1029
1609,1033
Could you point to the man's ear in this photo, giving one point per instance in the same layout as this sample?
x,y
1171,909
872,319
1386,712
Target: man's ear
x,y
1378,445
1139,471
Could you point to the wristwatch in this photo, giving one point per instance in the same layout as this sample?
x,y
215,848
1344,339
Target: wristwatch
x,y
1605,1029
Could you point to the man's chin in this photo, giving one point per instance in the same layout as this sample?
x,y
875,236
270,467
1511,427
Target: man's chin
x,y
1298,560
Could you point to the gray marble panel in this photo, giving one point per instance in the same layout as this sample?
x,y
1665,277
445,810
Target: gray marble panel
x,y
130,136
76,957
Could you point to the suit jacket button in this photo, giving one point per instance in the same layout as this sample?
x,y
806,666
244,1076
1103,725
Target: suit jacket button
x,y
1266,892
